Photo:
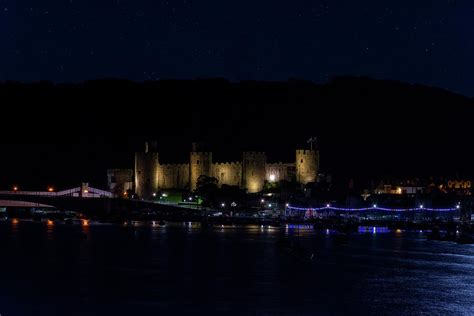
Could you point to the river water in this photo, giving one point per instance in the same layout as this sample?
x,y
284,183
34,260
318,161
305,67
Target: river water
x,y
145,270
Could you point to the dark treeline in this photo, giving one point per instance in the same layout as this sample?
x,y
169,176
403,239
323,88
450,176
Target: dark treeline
x,y
65,133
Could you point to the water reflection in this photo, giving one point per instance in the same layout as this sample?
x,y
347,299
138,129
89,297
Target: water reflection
x,y
182,269
373,229
50,229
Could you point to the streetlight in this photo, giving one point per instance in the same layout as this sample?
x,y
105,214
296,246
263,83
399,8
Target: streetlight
x,y
15,188
50,189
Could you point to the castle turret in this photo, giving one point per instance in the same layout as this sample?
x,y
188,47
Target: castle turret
x,y
146,171
200,163
253,171
307,163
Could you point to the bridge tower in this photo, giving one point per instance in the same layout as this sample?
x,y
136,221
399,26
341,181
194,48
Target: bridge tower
x,y
146,171
253,171
200,163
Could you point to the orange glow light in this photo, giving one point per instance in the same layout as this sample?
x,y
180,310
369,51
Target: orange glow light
x,y
50,222
50,189
85,222
15,221
15,188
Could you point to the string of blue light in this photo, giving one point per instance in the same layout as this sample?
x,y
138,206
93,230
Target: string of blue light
x,y
373,208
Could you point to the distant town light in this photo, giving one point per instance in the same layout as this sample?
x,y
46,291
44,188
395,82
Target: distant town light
x,y
399,190
328,205
375,205
164,195
154,194
421,205
272,177
287,204
223,204
262,200
50,189
458,206
190,198
86,191
269,205
15,188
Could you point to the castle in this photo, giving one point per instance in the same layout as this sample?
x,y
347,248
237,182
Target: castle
x,y
251,173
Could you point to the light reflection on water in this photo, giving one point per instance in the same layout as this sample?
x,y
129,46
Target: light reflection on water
x,y
373,229
184,269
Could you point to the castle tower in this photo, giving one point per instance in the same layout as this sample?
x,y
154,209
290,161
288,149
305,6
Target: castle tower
x,y
307,163
200,163
146,171
253,171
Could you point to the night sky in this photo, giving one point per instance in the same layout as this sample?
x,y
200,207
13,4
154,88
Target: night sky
x,y
424,41
427,42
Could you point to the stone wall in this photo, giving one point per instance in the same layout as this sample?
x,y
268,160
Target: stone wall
x,y
119,180
275,172
229,173
173,176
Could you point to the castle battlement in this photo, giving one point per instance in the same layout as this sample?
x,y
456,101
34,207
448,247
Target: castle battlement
x,y
201,153
275,163
254,153
173,165
233,163
306,152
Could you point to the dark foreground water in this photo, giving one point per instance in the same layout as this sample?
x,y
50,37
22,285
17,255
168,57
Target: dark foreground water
x,y
112,270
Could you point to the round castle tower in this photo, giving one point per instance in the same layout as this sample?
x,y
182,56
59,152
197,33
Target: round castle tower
x,y
146,171
200,163
307,162
253,171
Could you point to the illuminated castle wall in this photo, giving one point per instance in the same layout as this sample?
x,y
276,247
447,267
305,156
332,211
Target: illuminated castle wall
x,y
251,173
